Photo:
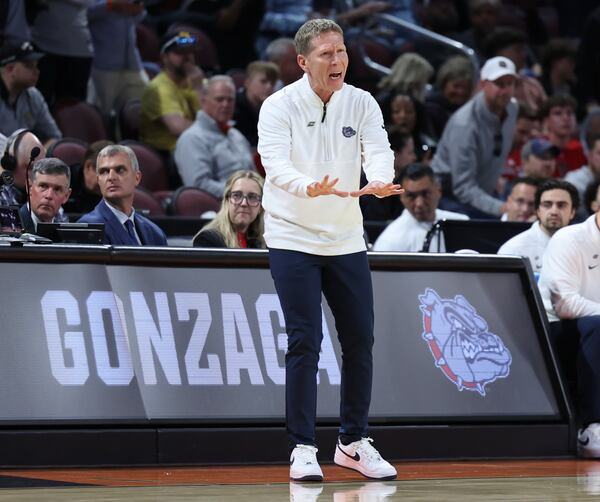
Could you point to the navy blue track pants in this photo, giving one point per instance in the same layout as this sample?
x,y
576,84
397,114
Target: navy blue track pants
x,y
577,343
345,280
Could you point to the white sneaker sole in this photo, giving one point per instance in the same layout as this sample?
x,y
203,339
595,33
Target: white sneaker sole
x,y
345,461
307,477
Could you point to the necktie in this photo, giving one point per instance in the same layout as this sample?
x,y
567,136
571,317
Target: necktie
x,y
131,231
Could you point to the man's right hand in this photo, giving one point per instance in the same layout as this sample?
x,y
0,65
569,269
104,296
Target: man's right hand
x,y
325,187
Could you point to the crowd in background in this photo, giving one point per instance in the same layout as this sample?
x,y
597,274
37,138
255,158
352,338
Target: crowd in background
x,y
199,72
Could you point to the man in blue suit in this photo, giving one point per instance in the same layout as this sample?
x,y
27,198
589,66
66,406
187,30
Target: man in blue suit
x,y
118,176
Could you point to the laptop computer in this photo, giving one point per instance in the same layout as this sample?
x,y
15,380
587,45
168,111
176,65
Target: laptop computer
x,y
72,233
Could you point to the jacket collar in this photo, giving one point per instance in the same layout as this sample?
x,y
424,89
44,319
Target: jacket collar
x,y
311,96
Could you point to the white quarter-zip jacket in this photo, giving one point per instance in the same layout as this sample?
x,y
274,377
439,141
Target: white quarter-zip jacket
x,y
300,141
570,277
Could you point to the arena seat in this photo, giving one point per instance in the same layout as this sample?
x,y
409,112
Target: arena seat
x,y
145,203
81,120
152,166
192,201
70,150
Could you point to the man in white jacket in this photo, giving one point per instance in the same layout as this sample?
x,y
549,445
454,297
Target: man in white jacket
x,y
570,288
314,134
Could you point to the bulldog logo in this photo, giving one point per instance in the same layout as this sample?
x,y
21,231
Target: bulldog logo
x,y
460,343
348,132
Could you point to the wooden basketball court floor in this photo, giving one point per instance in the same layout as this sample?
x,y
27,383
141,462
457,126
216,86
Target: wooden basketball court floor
x,y
497,480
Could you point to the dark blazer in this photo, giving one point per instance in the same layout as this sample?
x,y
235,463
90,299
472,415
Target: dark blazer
x,y
115,232
213,239
28,225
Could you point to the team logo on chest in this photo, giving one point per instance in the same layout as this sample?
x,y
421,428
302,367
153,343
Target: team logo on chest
x,y
461,344
348,132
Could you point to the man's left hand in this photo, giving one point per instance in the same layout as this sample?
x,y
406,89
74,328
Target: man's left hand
x,y
379,189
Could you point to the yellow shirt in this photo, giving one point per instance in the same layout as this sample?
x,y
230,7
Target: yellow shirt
x,y
162,97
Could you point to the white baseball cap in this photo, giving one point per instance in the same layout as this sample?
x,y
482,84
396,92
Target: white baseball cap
x,y
497,67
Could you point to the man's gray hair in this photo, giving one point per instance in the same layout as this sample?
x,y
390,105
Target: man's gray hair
x,y
52,166
208,83
312,29
279,49
112,150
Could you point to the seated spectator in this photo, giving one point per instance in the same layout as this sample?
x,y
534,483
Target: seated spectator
x,y
421,195
408,115
86,191
589,173
15,159
512,44
538,157
282,52
473,149
211,150
555,203
389,208
592,197
569,289
409,75
520,204
453,88
528,126
117,73
171,99
558,125
261,77
558,67
21,104
239,222
118,176
49,184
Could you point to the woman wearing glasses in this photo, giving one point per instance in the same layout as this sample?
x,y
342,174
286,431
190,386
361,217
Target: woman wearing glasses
x,y
239,222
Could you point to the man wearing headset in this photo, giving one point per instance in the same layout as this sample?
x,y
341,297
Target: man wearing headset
x,y
13,165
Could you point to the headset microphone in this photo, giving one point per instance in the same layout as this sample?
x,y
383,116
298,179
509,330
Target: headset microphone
x,y
35,151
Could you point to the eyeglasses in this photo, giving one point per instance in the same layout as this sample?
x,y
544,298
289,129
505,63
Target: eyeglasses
x,y
253,199
183,40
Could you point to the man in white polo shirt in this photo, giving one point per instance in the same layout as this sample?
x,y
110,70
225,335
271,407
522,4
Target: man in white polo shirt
x,y
555,205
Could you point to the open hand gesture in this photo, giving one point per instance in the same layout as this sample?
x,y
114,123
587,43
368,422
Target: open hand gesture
x,y
325,187
378,188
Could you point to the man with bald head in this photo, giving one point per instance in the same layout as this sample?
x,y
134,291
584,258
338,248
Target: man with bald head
x,y
211,149
15,159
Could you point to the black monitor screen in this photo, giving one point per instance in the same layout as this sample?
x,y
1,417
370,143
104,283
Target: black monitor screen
x,y
483,236
81,233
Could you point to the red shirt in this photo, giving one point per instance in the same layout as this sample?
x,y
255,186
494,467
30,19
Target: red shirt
x,y
571,157
242,241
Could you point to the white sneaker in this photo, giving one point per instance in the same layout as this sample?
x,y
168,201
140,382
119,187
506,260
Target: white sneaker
x,y
304,493
588,441
364,458
304,465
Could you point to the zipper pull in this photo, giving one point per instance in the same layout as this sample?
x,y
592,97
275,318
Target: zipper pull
x,y
324,113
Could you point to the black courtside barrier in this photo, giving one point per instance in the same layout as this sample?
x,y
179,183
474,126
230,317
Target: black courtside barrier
x,y
140,356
